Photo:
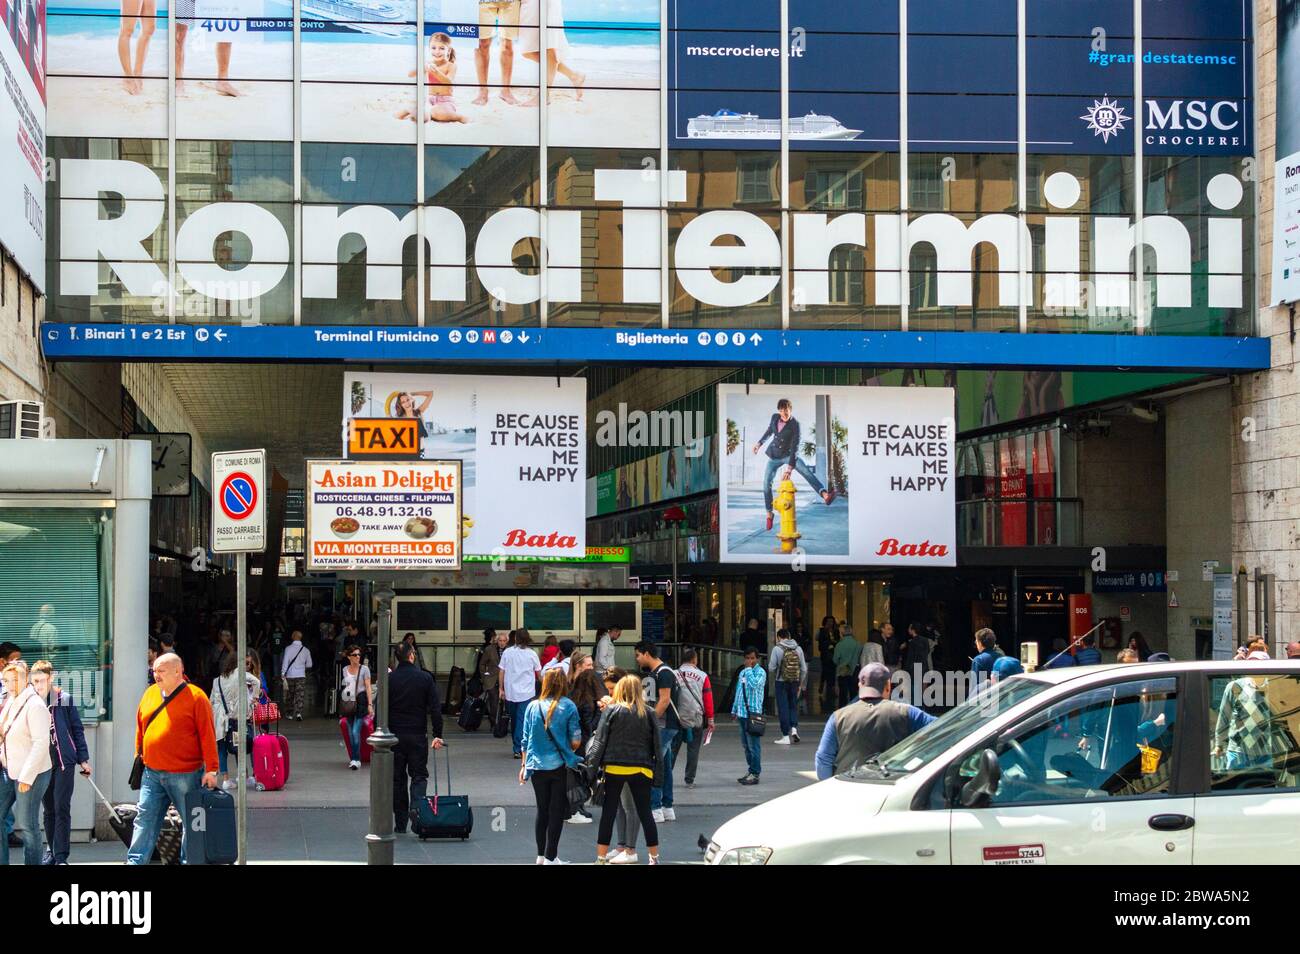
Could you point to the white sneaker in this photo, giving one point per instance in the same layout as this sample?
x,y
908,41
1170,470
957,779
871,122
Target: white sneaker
x,y
623,858
654,860
540,860
555,861
794,735
670,815
577,819
784,740
658,815
229,786
354,765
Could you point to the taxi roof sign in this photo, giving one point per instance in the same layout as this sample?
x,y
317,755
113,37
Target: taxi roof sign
x,y
388,437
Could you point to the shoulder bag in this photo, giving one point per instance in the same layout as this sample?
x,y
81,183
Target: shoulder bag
x,y
348,707
755,722
136,777
576,786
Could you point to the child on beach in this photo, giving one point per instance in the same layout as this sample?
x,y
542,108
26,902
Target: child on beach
x,y
440,73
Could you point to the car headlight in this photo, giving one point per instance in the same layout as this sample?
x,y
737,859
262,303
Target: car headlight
x,y
746,856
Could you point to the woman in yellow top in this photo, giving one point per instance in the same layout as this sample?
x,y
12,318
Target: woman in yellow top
x,y
626,748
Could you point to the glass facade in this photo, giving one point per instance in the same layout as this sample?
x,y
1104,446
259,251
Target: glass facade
x,y
944,166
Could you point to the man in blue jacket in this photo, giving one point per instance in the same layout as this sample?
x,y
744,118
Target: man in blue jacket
x,y
68,741
783,451
982,665
1089,654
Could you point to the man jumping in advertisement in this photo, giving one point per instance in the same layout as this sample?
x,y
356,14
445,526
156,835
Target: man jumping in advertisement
x,y
784,450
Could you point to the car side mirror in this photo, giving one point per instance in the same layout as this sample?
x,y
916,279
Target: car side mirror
x,y
979,791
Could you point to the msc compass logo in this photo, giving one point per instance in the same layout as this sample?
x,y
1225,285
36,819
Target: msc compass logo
x,y
1105,118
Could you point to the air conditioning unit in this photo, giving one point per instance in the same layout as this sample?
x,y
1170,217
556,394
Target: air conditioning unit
x,y
21,419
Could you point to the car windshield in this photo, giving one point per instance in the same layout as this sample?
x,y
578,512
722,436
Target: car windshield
x,y
922,747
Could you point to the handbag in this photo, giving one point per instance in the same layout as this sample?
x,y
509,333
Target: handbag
x,y
576,786
136,778
755,722
265,712
348,707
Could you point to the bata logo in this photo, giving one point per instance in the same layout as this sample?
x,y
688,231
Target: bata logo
x,y
521,538
892,548
726,258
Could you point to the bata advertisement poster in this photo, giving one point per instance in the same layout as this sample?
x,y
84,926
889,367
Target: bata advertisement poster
x,y
373,515
830,475
22,132
521,442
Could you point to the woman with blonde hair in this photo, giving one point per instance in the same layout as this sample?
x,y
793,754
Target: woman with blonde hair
x,y
552,734
25,759
626,748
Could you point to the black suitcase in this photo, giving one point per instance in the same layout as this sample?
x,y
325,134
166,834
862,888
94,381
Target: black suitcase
x,y
212,827
121,818
439,815
471,714
455,696
501,727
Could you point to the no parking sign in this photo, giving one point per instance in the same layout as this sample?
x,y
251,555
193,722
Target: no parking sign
x,y
239,501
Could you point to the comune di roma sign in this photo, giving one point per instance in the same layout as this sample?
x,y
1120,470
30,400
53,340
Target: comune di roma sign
x,y
383,515
719,242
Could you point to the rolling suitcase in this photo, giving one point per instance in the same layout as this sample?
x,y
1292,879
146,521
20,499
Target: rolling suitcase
x,y
273,732
471,714
367,730
455,697
501,726
439,815
121,818
210,827
270,769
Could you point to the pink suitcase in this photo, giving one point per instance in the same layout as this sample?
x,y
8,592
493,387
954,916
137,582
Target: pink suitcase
x,y
367,729
270,768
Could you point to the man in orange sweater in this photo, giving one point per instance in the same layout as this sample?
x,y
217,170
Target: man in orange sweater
x,y
175,735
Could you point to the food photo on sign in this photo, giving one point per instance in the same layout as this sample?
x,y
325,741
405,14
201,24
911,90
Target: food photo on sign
x,y
837,474
521,442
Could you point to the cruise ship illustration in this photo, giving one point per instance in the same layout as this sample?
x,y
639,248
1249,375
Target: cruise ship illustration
x,y
728,124
365,16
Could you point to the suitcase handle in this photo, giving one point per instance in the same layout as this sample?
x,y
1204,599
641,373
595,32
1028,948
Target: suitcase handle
x,y
447,757
103,798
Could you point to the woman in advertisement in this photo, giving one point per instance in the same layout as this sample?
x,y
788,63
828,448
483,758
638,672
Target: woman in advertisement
x,y
402,404
557,47
134,12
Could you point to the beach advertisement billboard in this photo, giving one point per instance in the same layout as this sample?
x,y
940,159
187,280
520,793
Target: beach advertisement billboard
x,y
22,130
837,475
360,61
522,446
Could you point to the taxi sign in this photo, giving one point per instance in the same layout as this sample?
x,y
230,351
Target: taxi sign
x,y
386,437
239,501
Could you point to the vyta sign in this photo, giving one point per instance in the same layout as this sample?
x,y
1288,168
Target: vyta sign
x,y
725,258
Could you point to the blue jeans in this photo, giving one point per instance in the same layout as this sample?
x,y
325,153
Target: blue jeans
x,y
26,806
517,710
787,705
800,467
753,746
663,797
157,791
354,735
225,752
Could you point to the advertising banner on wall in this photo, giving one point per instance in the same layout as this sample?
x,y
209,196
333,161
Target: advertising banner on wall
x,y
522,444
1286,170
837,475
962,79
22,132
383,515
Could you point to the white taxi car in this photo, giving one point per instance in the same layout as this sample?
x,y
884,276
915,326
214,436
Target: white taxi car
x,y
1154,763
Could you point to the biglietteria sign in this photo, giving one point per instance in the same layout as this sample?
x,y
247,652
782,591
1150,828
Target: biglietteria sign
x,y
729,242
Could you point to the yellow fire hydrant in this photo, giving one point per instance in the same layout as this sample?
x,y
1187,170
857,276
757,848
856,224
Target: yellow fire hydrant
x,y
784,504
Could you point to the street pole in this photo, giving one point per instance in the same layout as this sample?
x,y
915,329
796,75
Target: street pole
x,y
241,758
379,842
677,619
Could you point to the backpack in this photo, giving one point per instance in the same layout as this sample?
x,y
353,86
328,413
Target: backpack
x,y
690,704
791,670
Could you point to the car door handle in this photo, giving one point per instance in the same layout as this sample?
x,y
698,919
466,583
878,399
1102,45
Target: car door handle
x,y
1171,822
